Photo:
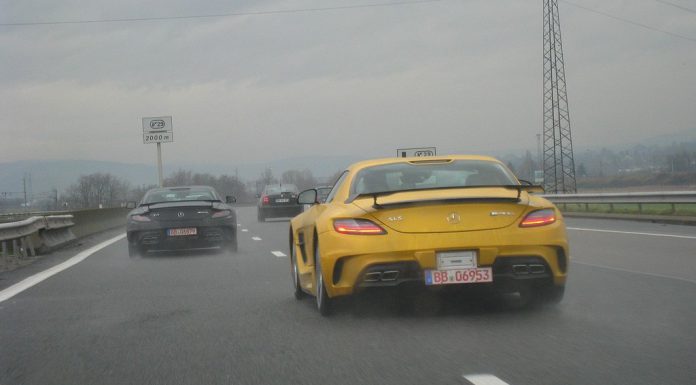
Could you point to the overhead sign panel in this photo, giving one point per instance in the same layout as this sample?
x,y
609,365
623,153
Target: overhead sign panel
x,y
417,151
158,129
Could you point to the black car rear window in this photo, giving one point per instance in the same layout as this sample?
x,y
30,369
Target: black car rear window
x,y
180,194
277,189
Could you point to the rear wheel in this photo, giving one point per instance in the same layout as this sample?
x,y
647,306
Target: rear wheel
x,y
299,294
232,245
259,215
323,301
134,250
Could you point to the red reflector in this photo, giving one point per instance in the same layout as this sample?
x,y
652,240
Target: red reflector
x,y
265,199
539,218
357,226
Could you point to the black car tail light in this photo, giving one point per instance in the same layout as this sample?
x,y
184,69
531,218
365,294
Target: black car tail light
x,y
139,218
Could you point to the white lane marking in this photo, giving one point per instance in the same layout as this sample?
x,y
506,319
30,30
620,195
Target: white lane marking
x,y
633,233
278,254
484,379
244,230
256,238
38,277
239,225
635,272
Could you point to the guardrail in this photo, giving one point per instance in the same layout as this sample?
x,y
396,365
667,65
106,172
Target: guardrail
x,y
22,238
671,198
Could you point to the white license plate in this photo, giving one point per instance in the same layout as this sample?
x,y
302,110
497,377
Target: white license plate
x,y
455,260
182,232
447,277
284,200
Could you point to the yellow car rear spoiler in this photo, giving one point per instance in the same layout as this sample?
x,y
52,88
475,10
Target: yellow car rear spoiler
x,y
518,187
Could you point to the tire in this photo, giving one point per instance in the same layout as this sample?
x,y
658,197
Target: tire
x,y
295,274
231,246
134,250
324,303
259,216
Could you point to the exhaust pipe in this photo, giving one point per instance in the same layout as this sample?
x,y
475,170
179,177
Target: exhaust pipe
x,y
537,269
390,275
374,276
520,269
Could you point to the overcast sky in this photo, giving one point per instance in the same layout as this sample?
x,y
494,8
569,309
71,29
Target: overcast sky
x,y
465,76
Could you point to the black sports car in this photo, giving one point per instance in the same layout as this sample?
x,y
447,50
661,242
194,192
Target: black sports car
x,y
186,217
278,200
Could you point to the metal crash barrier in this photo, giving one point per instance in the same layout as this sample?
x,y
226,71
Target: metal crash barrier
x,y
23,238
671,198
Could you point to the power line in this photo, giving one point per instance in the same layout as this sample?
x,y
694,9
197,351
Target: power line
x,y
218,15
627,21
676,6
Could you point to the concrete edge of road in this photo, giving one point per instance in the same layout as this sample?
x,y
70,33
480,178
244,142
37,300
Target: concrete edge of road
x,y
666,219
44,262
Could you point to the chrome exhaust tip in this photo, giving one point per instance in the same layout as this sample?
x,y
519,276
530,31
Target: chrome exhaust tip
x,y
390,275
374,276
520,269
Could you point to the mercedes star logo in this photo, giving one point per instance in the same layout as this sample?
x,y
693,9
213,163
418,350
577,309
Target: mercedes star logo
x,y
453,218
180,214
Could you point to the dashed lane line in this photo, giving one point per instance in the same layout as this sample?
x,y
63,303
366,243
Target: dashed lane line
x,y
632,233
256,238
245,230
278,254
39,277
484,379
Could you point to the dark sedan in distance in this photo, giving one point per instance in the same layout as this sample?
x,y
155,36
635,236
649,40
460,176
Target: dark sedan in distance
x,y
180,218
278,201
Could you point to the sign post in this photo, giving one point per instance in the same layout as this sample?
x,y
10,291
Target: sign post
x,y
158,130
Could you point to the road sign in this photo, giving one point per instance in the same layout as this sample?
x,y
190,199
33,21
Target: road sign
x,y
158,130
417,151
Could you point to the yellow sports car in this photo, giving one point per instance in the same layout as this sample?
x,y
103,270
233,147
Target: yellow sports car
x,y
450,220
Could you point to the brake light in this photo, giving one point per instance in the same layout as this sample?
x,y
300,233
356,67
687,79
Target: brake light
x,y
265,200
539,218
222,214
140,218
357,227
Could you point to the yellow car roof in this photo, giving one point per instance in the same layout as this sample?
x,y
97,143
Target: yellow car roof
x,y
417,159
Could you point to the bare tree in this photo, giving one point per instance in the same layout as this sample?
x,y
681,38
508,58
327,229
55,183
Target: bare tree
x,y
95,190
303,179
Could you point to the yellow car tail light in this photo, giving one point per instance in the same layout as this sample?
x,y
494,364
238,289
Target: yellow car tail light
x,y
539,218
357,227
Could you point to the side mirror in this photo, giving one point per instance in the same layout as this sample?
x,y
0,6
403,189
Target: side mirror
x,y
307,197
131,205
230,199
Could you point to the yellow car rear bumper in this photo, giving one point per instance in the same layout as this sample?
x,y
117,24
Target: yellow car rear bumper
x,y
346,258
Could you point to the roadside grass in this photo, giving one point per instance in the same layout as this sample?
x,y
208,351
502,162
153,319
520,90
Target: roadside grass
x,y
685,209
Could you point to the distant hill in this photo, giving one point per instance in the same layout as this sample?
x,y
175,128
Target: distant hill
x,y
49,174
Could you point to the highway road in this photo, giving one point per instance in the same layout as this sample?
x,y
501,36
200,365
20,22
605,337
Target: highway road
x,y
629,317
